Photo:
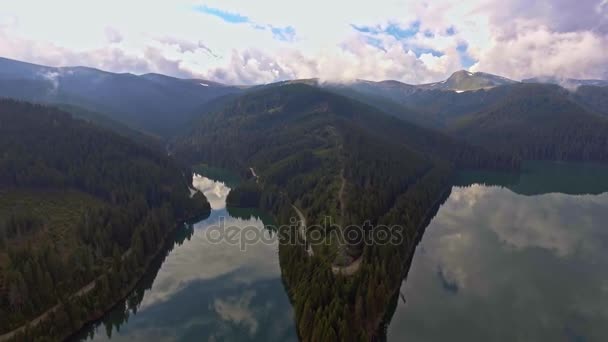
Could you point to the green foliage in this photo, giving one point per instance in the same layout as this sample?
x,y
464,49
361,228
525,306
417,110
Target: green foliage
x,y
150,103
79,206
538,122
514,121
104,120
593,99
353,308
333,157
246,195
304,140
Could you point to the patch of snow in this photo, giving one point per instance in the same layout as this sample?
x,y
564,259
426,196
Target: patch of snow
x,y
459,91
204,84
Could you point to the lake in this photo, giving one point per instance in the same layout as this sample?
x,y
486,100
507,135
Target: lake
x,y
507,258
202,290
512,258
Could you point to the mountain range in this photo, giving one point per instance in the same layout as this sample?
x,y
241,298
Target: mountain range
x,y
154,103
164,105
570,83
382,153
152,108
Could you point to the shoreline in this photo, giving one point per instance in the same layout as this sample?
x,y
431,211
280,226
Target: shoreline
x,y
382,320
129,289
97,314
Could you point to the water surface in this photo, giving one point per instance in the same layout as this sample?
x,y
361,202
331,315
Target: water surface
x,y
523,261
203,291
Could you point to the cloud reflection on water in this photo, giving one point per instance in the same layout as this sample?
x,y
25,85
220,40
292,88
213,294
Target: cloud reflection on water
x,y
198,259
526,268
213,291
216,192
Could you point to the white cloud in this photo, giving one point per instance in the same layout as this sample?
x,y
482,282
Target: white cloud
x,y
172,37
535,51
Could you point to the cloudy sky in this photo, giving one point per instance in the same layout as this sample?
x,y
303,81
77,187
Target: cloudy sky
x,y
245,41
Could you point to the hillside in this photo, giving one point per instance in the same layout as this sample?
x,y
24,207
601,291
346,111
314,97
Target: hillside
x,y
538,122
433,106
295,136
463,80
388,99
460,81
104,121
569,83
153,103
290,131
330,156
79,206
438,109
592,98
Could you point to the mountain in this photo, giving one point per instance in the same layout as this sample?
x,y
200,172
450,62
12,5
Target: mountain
x,y
568,83
463,80
297,105
337,161
440,105
459,81
592,98
396,89
307,142
431,108
537,121
433,105
82,210
525,120
103,120
388,96
153,103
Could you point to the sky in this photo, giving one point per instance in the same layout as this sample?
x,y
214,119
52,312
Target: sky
x,y
263,41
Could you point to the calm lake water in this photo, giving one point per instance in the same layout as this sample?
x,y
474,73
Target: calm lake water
x,y
525,259
507,258
202,291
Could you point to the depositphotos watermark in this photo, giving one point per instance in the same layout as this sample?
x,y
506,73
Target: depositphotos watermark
x,y
329,233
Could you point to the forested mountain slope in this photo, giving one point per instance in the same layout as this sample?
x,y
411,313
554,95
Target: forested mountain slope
x,y
254,125
538,122
592,98
81,210
446,110
104,121
432,107
464,80
301,137
154,103
392,105
333,157
570,83
296,137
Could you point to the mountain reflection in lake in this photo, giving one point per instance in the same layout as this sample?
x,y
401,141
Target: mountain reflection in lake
x,y
205,291
497,265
